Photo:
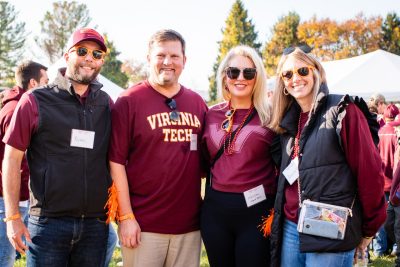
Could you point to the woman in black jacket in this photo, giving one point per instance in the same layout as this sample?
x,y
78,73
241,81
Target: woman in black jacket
x,y
328,156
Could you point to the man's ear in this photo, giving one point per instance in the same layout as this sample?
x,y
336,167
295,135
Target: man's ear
x,y
33,83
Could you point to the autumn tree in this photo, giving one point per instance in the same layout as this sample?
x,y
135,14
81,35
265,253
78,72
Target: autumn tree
x,y
283,34
322,35
58,25
239,29
12,40
135,70
391,34
112,65
359,36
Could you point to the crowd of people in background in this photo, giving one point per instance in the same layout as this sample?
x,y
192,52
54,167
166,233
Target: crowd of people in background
x,y
295,176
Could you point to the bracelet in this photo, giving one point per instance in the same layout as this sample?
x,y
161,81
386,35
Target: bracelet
x,y
368,237
12,218
126,217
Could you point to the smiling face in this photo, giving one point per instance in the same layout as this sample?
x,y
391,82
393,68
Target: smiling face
x,y
83,69
300,87
166,61
240,88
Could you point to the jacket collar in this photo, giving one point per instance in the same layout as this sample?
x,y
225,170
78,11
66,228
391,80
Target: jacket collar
x,y
63,83
290,120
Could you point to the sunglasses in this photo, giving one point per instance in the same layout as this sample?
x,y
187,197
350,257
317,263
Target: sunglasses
x,y
174,114
248,73
83,51
228,122
305,48
303,72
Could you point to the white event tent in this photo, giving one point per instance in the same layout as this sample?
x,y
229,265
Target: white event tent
x,y
375,72
109,87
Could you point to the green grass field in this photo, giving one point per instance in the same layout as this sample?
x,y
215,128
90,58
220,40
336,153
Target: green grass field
x,y
377,262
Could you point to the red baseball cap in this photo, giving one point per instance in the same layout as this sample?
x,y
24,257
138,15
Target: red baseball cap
x,y
391,111
87,34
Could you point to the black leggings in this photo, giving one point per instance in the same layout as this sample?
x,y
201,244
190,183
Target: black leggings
x,y
230,230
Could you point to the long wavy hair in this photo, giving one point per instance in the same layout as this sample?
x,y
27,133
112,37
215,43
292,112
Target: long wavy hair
x,y
259,92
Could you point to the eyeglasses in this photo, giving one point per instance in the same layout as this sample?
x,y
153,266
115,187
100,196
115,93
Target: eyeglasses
x,y
228,122
83,51
248,73
174,114
305,48
303,72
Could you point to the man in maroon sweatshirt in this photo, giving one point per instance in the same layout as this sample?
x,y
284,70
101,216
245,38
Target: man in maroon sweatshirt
x,y
28,75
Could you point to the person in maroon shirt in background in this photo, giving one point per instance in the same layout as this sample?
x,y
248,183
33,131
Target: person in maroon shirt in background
x,y
155,161
388,145
243,180
28,75
392,225
325,139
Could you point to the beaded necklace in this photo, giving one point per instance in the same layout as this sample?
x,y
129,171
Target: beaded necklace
x,y
231,143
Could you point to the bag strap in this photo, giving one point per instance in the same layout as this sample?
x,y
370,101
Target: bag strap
x,y
221,149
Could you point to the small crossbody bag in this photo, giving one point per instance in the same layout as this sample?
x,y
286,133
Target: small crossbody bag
x,y
321,219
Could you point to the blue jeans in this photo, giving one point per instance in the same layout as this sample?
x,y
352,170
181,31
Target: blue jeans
x,y
7,251
112,241
291,255
380,242
67,241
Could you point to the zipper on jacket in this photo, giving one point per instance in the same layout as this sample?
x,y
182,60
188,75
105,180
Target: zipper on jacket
x,y
84,165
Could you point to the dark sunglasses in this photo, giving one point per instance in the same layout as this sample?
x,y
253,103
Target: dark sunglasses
x,y
83,51
174,114
248,73
305,48
303,72
228,122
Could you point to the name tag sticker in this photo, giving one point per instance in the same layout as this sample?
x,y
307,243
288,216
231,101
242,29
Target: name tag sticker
x,y
254,195
292,171
82,138
193,142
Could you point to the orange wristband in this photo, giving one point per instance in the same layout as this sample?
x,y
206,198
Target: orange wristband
x,y
126,217
12,218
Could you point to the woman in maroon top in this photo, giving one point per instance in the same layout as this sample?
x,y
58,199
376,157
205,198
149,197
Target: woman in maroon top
x,y
328,156
243,180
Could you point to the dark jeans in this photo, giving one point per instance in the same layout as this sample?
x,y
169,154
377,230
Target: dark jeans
x,y
392,227
67,241
230,230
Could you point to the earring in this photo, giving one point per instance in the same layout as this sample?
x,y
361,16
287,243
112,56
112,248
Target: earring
x,y
285,91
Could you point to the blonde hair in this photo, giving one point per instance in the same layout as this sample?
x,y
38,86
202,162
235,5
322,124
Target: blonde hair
x,y
259,92
282,102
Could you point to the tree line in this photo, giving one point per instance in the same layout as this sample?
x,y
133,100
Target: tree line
x,y
329,39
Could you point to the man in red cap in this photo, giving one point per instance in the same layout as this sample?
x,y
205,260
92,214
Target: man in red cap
x,y
65,129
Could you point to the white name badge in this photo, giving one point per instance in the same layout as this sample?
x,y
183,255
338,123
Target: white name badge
x,y
24,204
193,142
82,138
254,195
292,171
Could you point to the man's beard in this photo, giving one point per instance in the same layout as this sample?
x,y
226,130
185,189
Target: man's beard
x,y
79,78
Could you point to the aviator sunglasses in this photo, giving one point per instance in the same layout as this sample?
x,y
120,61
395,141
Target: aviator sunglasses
x,y
83,51
228,122
174,114
303,72
248,73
